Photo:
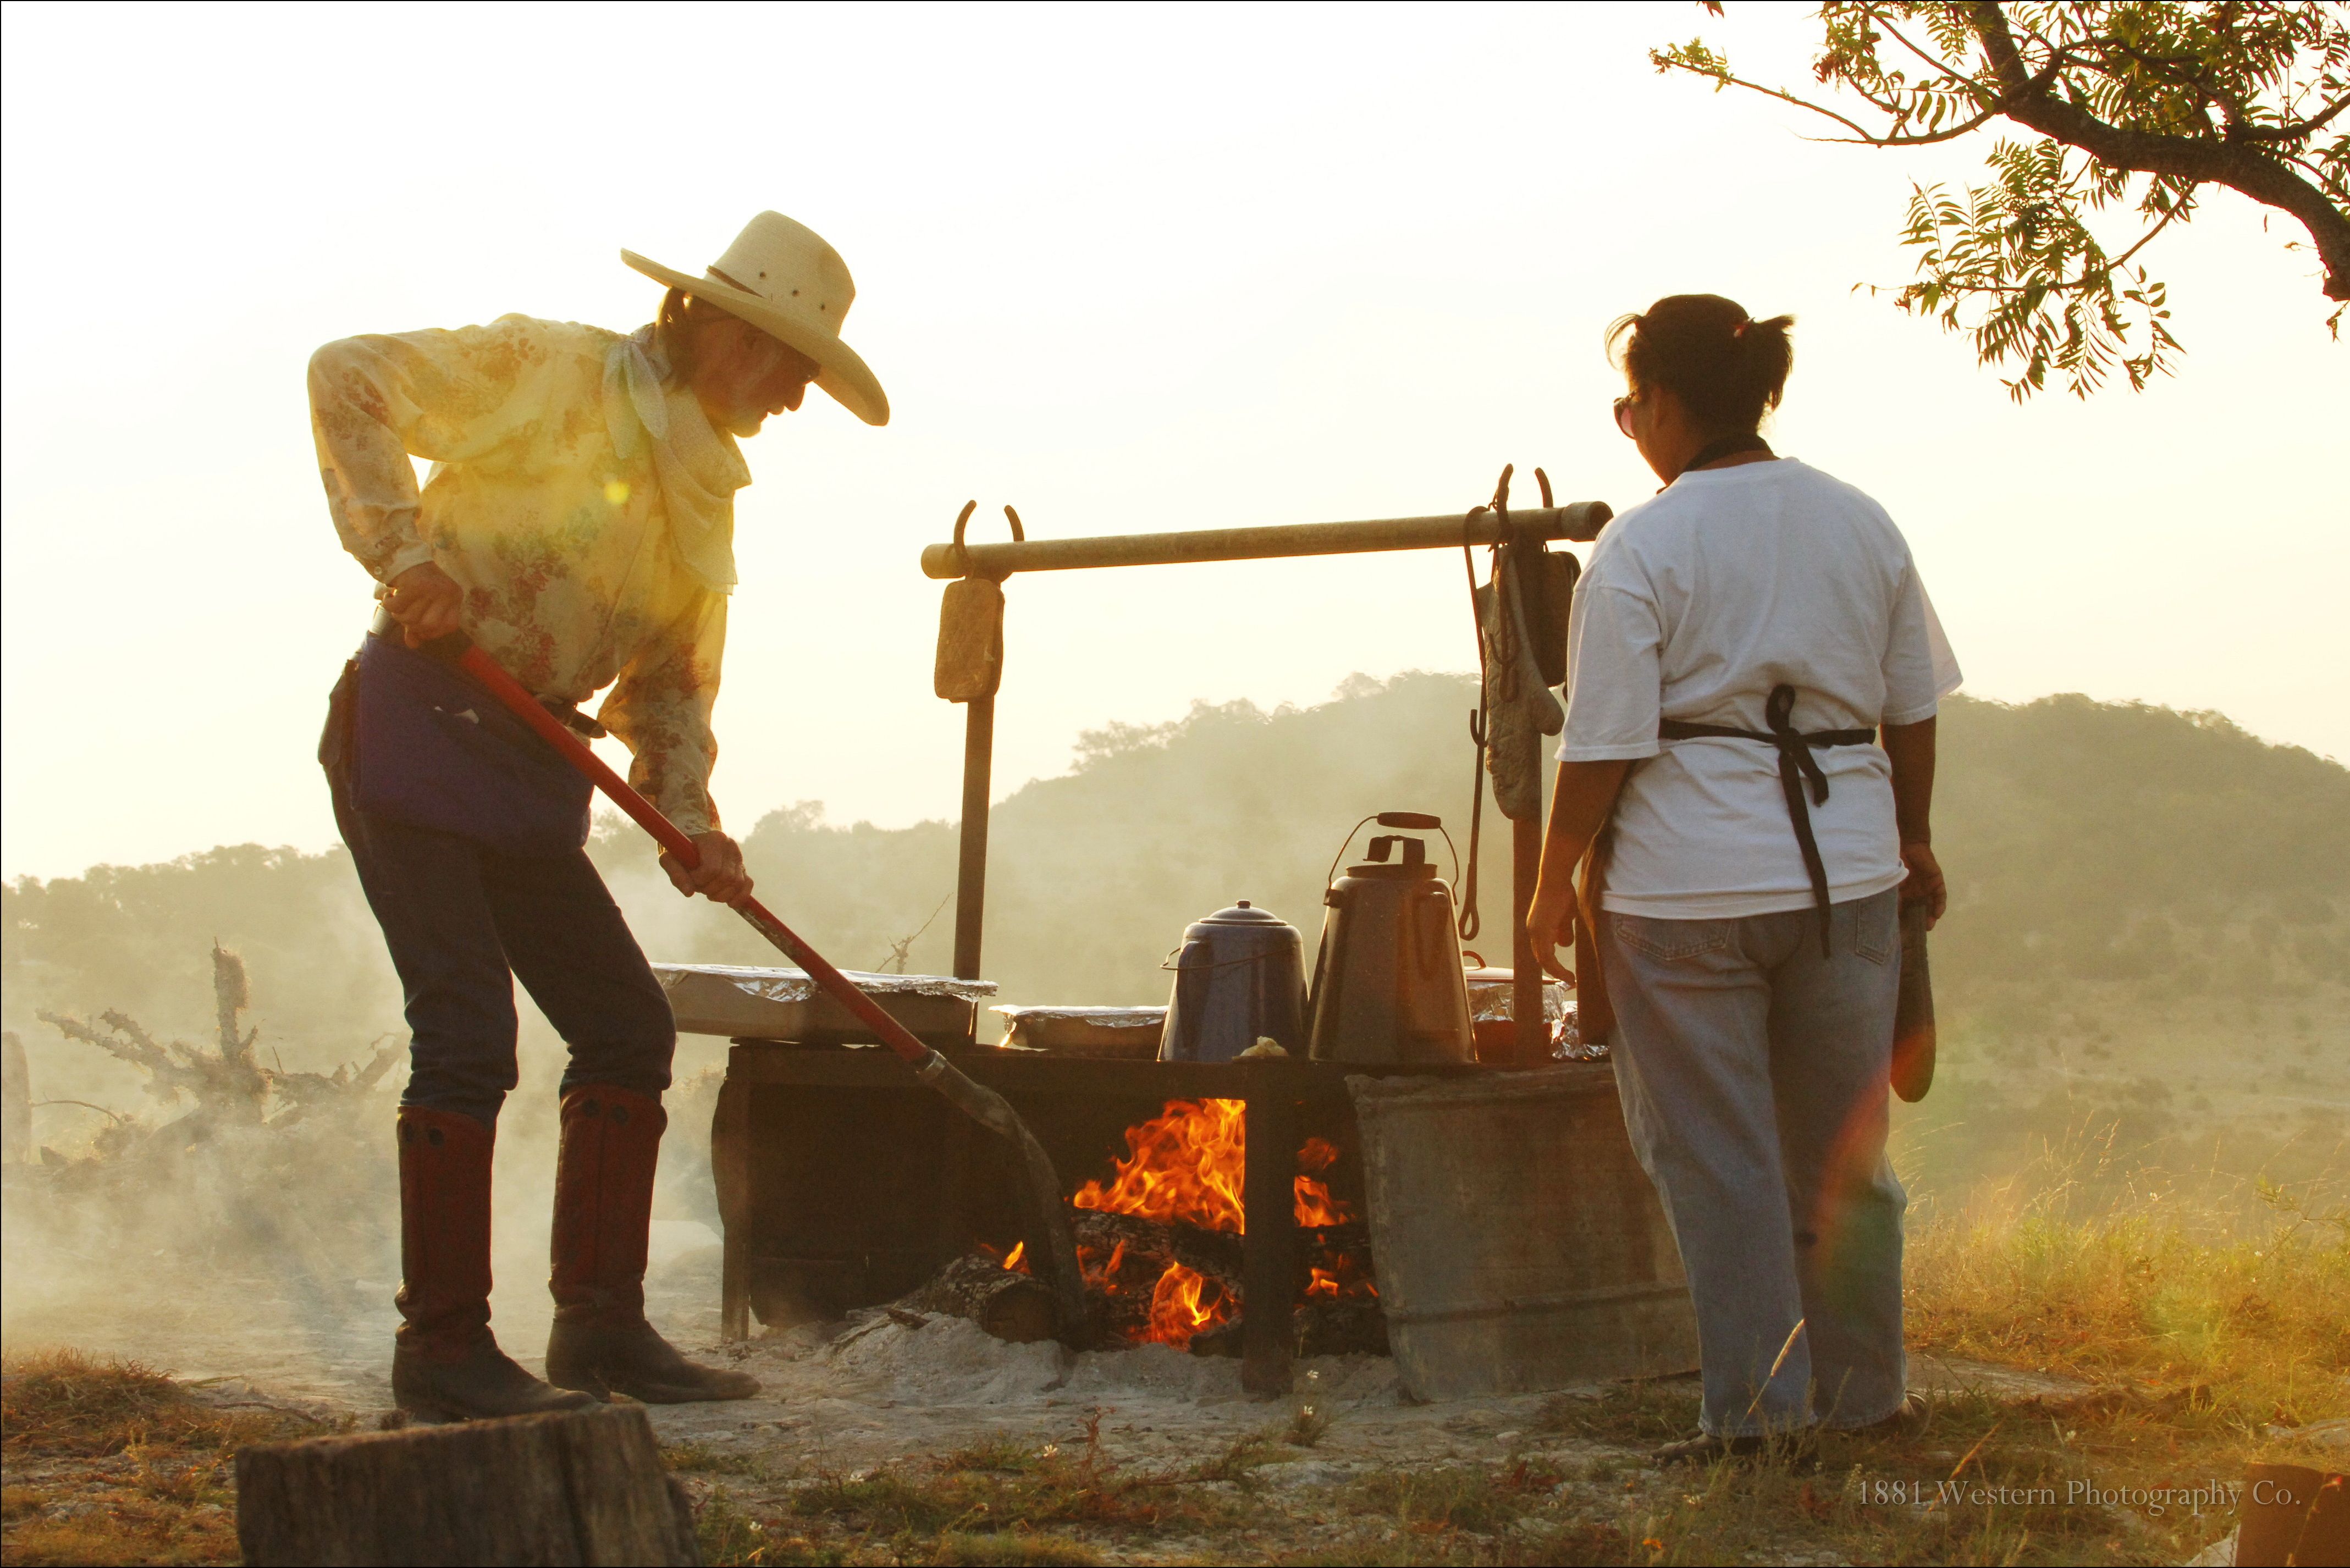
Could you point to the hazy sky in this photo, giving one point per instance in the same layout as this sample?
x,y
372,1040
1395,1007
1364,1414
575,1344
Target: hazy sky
x,y
1128,269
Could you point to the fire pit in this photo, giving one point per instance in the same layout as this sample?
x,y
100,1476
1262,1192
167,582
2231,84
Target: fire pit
x,y
1203,1191
1163,1243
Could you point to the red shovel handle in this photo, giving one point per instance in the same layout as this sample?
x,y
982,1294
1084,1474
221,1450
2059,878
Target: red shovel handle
x,y
459,649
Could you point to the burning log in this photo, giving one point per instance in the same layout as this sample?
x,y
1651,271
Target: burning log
x,y
1155,1279
993,1294
1212,1254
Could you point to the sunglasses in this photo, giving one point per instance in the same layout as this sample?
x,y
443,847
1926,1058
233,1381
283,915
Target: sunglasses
x,y
1624,416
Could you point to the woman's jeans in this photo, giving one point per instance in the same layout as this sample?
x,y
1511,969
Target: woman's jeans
x,y
464,922
1753,1073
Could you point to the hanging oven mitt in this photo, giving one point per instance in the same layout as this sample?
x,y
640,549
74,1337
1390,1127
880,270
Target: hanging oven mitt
x,y
1519,707
970,641
1546,593
971,624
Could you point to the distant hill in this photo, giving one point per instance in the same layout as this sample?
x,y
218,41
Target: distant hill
x,y
2086,841
139,938
2118,841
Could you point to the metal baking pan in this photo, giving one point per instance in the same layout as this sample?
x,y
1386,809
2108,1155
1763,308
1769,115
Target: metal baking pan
x,y
784,1004
1104,1031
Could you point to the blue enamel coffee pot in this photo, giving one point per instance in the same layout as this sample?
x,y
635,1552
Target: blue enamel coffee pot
x,y
1239,977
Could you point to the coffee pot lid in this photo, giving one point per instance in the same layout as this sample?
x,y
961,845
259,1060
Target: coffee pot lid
x,y
1242,914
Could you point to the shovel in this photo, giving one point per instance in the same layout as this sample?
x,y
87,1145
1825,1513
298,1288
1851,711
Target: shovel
x,y
982,1104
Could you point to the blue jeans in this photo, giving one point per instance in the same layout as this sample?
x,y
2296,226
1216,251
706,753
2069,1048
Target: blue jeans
x,y
1753,1074
464,922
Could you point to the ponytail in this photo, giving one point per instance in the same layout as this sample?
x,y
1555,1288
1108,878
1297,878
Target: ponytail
x,y
1727,368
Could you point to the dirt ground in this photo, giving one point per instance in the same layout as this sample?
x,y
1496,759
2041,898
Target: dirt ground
x,y
871,1390
840,1395
878,1439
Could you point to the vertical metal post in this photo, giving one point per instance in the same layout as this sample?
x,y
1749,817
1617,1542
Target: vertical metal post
x,y
970,870
1269,1249
1525,967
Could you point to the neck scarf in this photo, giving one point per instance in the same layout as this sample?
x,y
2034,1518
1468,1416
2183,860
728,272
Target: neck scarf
x,y
700,467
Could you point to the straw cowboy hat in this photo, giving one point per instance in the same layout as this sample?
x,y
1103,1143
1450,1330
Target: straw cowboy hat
x,y
782,278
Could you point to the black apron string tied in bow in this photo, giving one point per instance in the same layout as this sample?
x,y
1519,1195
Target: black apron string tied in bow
x,y
1797,768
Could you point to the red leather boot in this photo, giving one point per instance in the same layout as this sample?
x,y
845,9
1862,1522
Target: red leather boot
x,y
445,1364
601,1343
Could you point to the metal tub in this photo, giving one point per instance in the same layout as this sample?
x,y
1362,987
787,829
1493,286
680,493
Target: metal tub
x,y
1519,1245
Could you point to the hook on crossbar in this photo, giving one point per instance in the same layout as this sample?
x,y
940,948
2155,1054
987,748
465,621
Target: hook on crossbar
x,y
963,520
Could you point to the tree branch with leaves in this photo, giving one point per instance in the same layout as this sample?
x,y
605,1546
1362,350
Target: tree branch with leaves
x,y
2139,106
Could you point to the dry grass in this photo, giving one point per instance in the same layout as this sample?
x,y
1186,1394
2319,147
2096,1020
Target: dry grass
x,y
2200,1352
110,1462
1005,1503
704,1458
2253,1330
996,1502
1460,1497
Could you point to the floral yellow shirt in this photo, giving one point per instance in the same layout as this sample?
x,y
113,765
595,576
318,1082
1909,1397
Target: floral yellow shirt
x,y
560,543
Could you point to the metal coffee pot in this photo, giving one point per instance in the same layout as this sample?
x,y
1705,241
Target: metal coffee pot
x,y
1239,977
1388,987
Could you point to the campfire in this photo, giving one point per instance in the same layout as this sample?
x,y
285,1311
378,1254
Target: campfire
x,y
850,1188
1159,1242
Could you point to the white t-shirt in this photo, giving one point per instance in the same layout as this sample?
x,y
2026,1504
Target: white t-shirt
x,y
1696,604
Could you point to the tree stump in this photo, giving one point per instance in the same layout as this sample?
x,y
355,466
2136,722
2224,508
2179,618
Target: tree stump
x,y
578,1487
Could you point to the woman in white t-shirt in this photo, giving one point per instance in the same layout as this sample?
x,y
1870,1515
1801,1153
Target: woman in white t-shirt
x,y
1740,646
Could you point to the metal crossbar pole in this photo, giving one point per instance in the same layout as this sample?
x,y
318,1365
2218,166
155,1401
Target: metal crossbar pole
x,y
1579,521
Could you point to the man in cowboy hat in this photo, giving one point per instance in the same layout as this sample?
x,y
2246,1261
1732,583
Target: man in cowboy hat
x,y
578,527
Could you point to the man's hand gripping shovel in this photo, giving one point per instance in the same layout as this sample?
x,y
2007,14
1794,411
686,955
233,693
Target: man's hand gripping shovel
x,y
982,1104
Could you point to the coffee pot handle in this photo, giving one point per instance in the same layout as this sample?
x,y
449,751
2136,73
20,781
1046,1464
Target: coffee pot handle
x,y
1419,821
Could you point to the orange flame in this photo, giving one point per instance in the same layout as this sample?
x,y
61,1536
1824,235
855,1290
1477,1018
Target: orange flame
x,y
1343,1278
1185,1303
1015,1261
1314,1206
1184,1165
1188,1166
1100,1276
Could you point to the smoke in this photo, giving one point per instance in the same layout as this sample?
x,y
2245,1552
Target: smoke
x,y
218,1212
2146,969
